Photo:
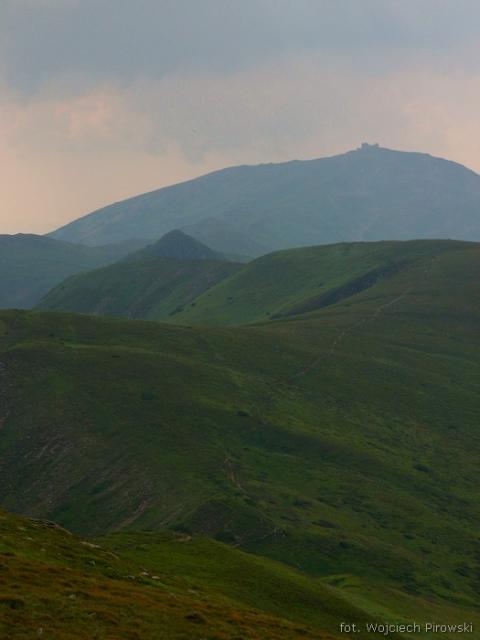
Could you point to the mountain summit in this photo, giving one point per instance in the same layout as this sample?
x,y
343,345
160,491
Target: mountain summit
x,y
176,244
154,283
368,194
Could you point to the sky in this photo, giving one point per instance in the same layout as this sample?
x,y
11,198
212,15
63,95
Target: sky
x,y
104,99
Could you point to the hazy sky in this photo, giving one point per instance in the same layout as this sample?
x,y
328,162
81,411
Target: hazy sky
x,y
103,99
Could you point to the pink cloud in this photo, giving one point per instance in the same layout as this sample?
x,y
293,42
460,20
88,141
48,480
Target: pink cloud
x,y
61,157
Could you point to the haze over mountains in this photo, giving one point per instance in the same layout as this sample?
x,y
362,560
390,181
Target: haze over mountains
x,y
31,265
371,193
367,194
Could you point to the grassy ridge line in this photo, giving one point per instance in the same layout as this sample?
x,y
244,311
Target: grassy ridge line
x,y
152,289
302,280
278,285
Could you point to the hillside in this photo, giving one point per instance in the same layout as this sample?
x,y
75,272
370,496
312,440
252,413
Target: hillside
x,y
31,265
330,441
368,194
56,585
297,281
153,288
278,285
162,585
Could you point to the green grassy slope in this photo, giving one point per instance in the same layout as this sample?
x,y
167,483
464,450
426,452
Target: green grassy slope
x,y
343,442
283,591
31,265
277,285
55,585
366,194
163,585
297,281
154,288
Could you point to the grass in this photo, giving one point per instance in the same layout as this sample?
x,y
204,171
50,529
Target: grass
x,y
278,285
155,288
297,281
165,585
342,442
55,585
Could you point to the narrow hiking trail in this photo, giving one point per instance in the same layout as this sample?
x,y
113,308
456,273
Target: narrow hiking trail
x,y
266,401
349,330
378,311
363,322
293,381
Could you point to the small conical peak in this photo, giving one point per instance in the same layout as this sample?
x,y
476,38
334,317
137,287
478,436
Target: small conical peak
x,y
176,234
177,244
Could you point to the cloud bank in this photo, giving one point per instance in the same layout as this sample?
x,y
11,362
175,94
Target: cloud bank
x,y
103,99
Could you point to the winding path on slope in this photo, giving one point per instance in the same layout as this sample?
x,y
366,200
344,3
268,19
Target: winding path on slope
x,y
363,322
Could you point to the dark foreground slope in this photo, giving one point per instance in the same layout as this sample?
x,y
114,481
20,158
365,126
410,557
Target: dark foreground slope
x,y
367,194
343,441
31,265
154,586
151,587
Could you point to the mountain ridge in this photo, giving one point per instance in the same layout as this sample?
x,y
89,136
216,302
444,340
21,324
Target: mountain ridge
x,y
277,285
370,193
30,265
155,282
150,288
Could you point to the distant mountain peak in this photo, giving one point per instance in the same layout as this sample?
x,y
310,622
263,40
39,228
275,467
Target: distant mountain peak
x,y
177,244
370,193
177,235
